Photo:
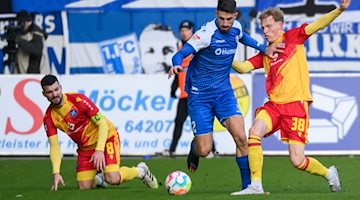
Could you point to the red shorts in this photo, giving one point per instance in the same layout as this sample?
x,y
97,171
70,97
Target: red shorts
x,y
292,119
112,155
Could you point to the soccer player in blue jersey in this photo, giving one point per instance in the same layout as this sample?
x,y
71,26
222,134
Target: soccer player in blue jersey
x,y
208,83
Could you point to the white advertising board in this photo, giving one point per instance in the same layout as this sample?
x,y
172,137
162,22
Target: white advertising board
x,y
140,107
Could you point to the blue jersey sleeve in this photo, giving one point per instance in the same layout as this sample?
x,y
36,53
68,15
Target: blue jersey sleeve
x,y
249,41
177,59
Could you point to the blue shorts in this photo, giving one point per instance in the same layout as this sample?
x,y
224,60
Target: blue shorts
x,y
202,110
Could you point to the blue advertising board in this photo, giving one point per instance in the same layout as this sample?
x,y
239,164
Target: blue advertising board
x,y
336,45
83,25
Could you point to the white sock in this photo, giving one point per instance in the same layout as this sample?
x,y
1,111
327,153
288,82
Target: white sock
x,y
330,176
99,180
142,172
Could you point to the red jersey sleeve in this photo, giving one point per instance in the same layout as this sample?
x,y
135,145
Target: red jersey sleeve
x,y
296,35
49,126
257,61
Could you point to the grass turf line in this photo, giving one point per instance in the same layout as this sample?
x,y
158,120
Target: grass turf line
x,y
215,179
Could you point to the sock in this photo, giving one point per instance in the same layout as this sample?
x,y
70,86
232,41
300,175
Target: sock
x,y
129,173
330,176
193,148
257,185
97,180
255,157
313,166
243,164
141,172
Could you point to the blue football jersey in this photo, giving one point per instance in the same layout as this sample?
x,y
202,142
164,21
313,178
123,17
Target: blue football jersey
x,y
209,69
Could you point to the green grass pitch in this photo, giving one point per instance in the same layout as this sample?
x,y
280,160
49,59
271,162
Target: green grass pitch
x,y
215,179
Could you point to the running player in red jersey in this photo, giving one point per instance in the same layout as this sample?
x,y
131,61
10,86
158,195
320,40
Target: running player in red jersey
x,y
287,86
97,139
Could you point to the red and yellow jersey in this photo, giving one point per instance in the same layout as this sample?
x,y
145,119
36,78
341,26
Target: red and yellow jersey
x,y
74,119
287,76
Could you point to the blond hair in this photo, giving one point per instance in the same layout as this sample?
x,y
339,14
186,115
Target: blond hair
x,y
276,13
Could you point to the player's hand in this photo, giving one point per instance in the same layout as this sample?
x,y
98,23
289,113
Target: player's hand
x,y
57,178
273,50
98,158
174,70
344,5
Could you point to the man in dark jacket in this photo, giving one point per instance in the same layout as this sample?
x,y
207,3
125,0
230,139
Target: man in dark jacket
x,y
31,57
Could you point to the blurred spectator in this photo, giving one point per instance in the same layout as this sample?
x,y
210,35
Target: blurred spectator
x,y
31,56
244,23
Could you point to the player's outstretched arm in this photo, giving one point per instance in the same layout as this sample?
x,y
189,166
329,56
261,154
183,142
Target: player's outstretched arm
x,y
177,59
326,19
344,4
242,67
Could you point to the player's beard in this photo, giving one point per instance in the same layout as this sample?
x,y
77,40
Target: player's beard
x,y
57,103
226,29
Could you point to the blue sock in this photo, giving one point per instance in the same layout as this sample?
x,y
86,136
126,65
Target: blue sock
x,y
243,164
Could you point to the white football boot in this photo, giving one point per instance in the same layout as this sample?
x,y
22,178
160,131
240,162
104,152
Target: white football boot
x,y
250,190
333,179
148,179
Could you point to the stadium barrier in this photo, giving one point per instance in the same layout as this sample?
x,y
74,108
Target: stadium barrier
x,y
141,108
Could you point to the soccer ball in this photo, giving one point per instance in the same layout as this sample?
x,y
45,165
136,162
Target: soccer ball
x,y
178,183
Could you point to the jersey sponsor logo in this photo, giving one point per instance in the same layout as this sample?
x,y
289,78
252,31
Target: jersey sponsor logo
x,y
276,62
73,113
197,37
220,51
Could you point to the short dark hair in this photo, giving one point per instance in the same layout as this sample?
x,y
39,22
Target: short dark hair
x,y
24,15
228,6
48,80
186,24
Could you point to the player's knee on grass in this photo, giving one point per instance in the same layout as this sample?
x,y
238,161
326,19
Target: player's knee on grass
x,y
85,185
85,179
